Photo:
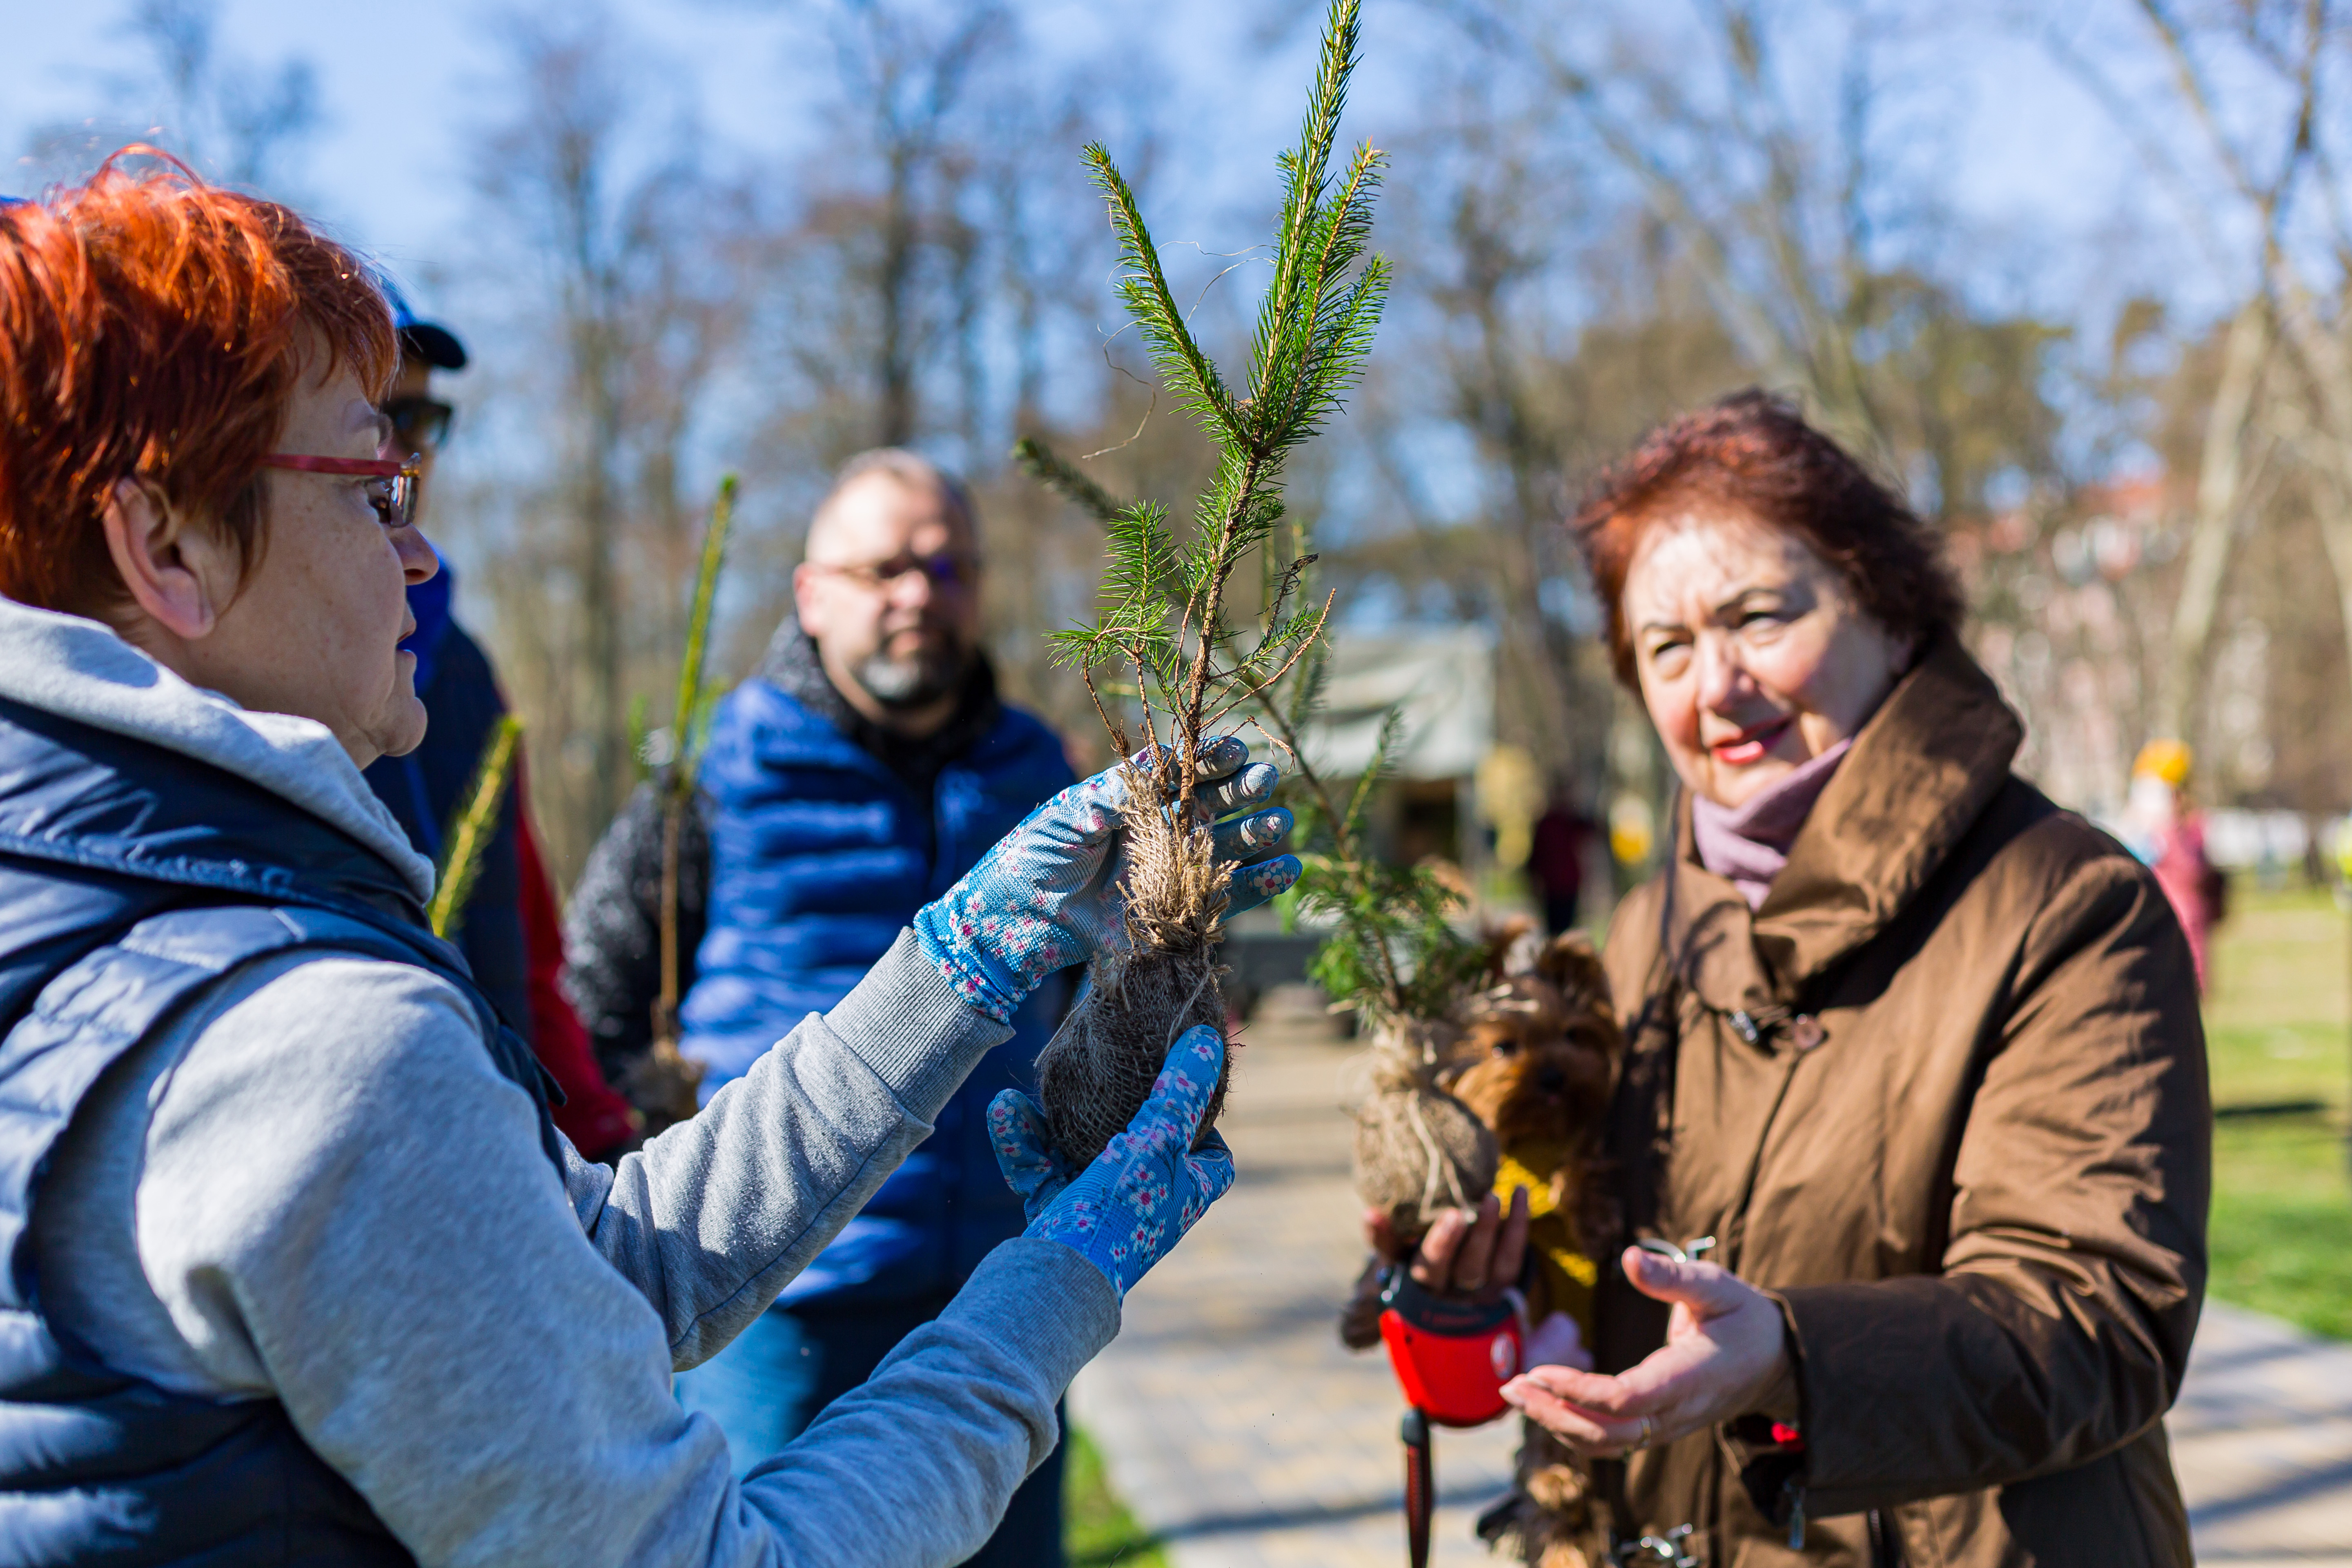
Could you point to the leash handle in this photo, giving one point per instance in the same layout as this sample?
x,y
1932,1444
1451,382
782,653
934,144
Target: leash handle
x,y
1420,1486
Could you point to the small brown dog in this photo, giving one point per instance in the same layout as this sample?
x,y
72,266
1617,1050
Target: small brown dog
x,y
1536,1063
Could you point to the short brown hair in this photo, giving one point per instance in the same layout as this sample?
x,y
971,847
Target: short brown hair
x,y
1754,453
151,327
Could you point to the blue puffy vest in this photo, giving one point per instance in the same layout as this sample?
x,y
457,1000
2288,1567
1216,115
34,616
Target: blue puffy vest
x,y
819,857
131,878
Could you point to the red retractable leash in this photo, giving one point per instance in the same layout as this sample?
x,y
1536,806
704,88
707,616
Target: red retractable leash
x,y
1452,1358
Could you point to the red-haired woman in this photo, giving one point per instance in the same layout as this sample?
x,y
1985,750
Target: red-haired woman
x,y
299,1269
1915,1075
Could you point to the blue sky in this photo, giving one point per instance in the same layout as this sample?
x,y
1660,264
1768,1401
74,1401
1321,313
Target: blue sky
x,y
2034,155
388,169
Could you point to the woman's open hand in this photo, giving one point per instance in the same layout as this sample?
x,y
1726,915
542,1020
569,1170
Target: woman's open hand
x,y
1725,1356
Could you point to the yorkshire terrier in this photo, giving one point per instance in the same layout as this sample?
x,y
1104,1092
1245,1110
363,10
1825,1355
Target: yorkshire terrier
x,y
1536,1059
1536,1064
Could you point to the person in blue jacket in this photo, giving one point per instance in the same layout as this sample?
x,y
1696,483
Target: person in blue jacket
x,y
863,770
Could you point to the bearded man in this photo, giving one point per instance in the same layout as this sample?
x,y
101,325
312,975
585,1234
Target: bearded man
x,y
863,770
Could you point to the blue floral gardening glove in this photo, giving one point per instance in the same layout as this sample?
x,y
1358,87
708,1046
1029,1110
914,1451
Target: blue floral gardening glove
x,y
1128,1210
1047,896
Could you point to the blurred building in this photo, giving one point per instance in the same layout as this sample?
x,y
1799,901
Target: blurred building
x,y
1442,681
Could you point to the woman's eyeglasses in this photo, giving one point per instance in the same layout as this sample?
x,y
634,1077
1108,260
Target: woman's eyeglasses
x,y
391,488
419,424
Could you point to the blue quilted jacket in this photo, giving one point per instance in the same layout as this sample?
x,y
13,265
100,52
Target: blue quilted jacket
x,y
819,856
131,878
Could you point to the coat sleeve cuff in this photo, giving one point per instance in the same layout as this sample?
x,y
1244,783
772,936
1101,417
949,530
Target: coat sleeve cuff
x,y
906,1022
1850,1344
1769,1450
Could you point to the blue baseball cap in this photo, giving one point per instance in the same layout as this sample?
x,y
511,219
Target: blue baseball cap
x,y
434,343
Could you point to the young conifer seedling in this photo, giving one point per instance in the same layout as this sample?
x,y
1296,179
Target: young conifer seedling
x,y
1168,629
467,838
665,1083
1396,958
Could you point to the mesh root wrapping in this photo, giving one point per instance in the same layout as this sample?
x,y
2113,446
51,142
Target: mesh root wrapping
x,y
1418,1149
1096,1071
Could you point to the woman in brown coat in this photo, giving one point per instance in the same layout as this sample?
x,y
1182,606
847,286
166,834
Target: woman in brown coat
x,y
1913,1064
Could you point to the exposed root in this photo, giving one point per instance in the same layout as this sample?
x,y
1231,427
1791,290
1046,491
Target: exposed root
x,y
1099,1068
1418,1149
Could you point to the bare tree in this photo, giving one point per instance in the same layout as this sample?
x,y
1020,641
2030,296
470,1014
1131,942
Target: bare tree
x,y
237,120
1780,229
2260,171
910,80
623,276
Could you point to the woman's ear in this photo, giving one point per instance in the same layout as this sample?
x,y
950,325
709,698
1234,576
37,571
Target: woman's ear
x,y
180,577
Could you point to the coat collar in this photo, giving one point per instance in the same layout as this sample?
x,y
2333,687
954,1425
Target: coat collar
x,y
1921,772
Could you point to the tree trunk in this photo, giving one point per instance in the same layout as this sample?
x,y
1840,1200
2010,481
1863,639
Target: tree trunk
x,y
2220,484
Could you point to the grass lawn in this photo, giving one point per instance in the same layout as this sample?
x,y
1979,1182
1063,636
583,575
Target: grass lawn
x,y
2278,1023
1100,1530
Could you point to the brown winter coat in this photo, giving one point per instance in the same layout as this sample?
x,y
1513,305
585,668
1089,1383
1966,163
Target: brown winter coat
x,y
1978,1187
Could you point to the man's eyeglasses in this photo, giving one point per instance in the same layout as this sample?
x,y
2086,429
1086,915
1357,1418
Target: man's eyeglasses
x,y
946,573
419,424
391,488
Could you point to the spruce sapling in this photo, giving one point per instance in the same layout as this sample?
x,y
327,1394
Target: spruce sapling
x,y
667,1083
1395,957
1167,623
468,834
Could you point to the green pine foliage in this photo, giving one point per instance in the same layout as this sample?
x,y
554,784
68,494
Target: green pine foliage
x,y
1166,628
1394,953
688,723
469,831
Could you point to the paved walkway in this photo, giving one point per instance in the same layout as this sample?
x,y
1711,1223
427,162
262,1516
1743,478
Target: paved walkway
x,y
1237,1428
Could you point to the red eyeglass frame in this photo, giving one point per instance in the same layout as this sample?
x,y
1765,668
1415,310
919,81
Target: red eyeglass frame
x,y
395,506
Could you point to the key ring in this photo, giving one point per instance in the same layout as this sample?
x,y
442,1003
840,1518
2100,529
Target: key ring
x,y
1658,1247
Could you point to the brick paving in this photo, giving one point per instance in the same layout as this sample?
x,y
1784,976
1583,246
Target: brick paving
x,y
1237,1427
2262,1440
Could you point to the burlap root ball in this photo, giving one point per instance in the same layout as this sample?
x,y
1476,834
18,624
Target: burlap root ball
x,y
1392,1157
1096,1071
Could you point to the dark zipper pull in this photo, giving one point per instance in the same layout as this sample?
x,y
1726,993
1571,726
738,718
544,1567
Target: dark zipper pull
x,y
1794,1490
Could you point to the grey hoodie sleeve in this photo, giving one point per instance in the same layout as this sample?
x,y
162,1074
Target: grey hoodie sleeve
x,y
345,1207
717,1215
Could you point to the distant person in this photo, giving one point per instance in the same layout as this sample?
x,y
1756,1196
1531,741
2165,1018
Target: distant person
x,y
2164,830
864,768
301,1271
1555,863
508,928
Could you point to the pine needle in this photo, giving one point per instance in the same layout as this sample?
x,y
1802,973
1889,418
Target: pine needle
x,y
1164,612
467,838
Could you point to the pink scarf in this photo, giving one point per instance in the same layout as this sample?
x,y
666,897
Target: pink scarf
x,y
1750,844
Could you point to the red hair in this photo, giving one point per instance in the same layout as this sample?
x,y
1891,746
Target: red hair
x,y
154,327
1752,454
